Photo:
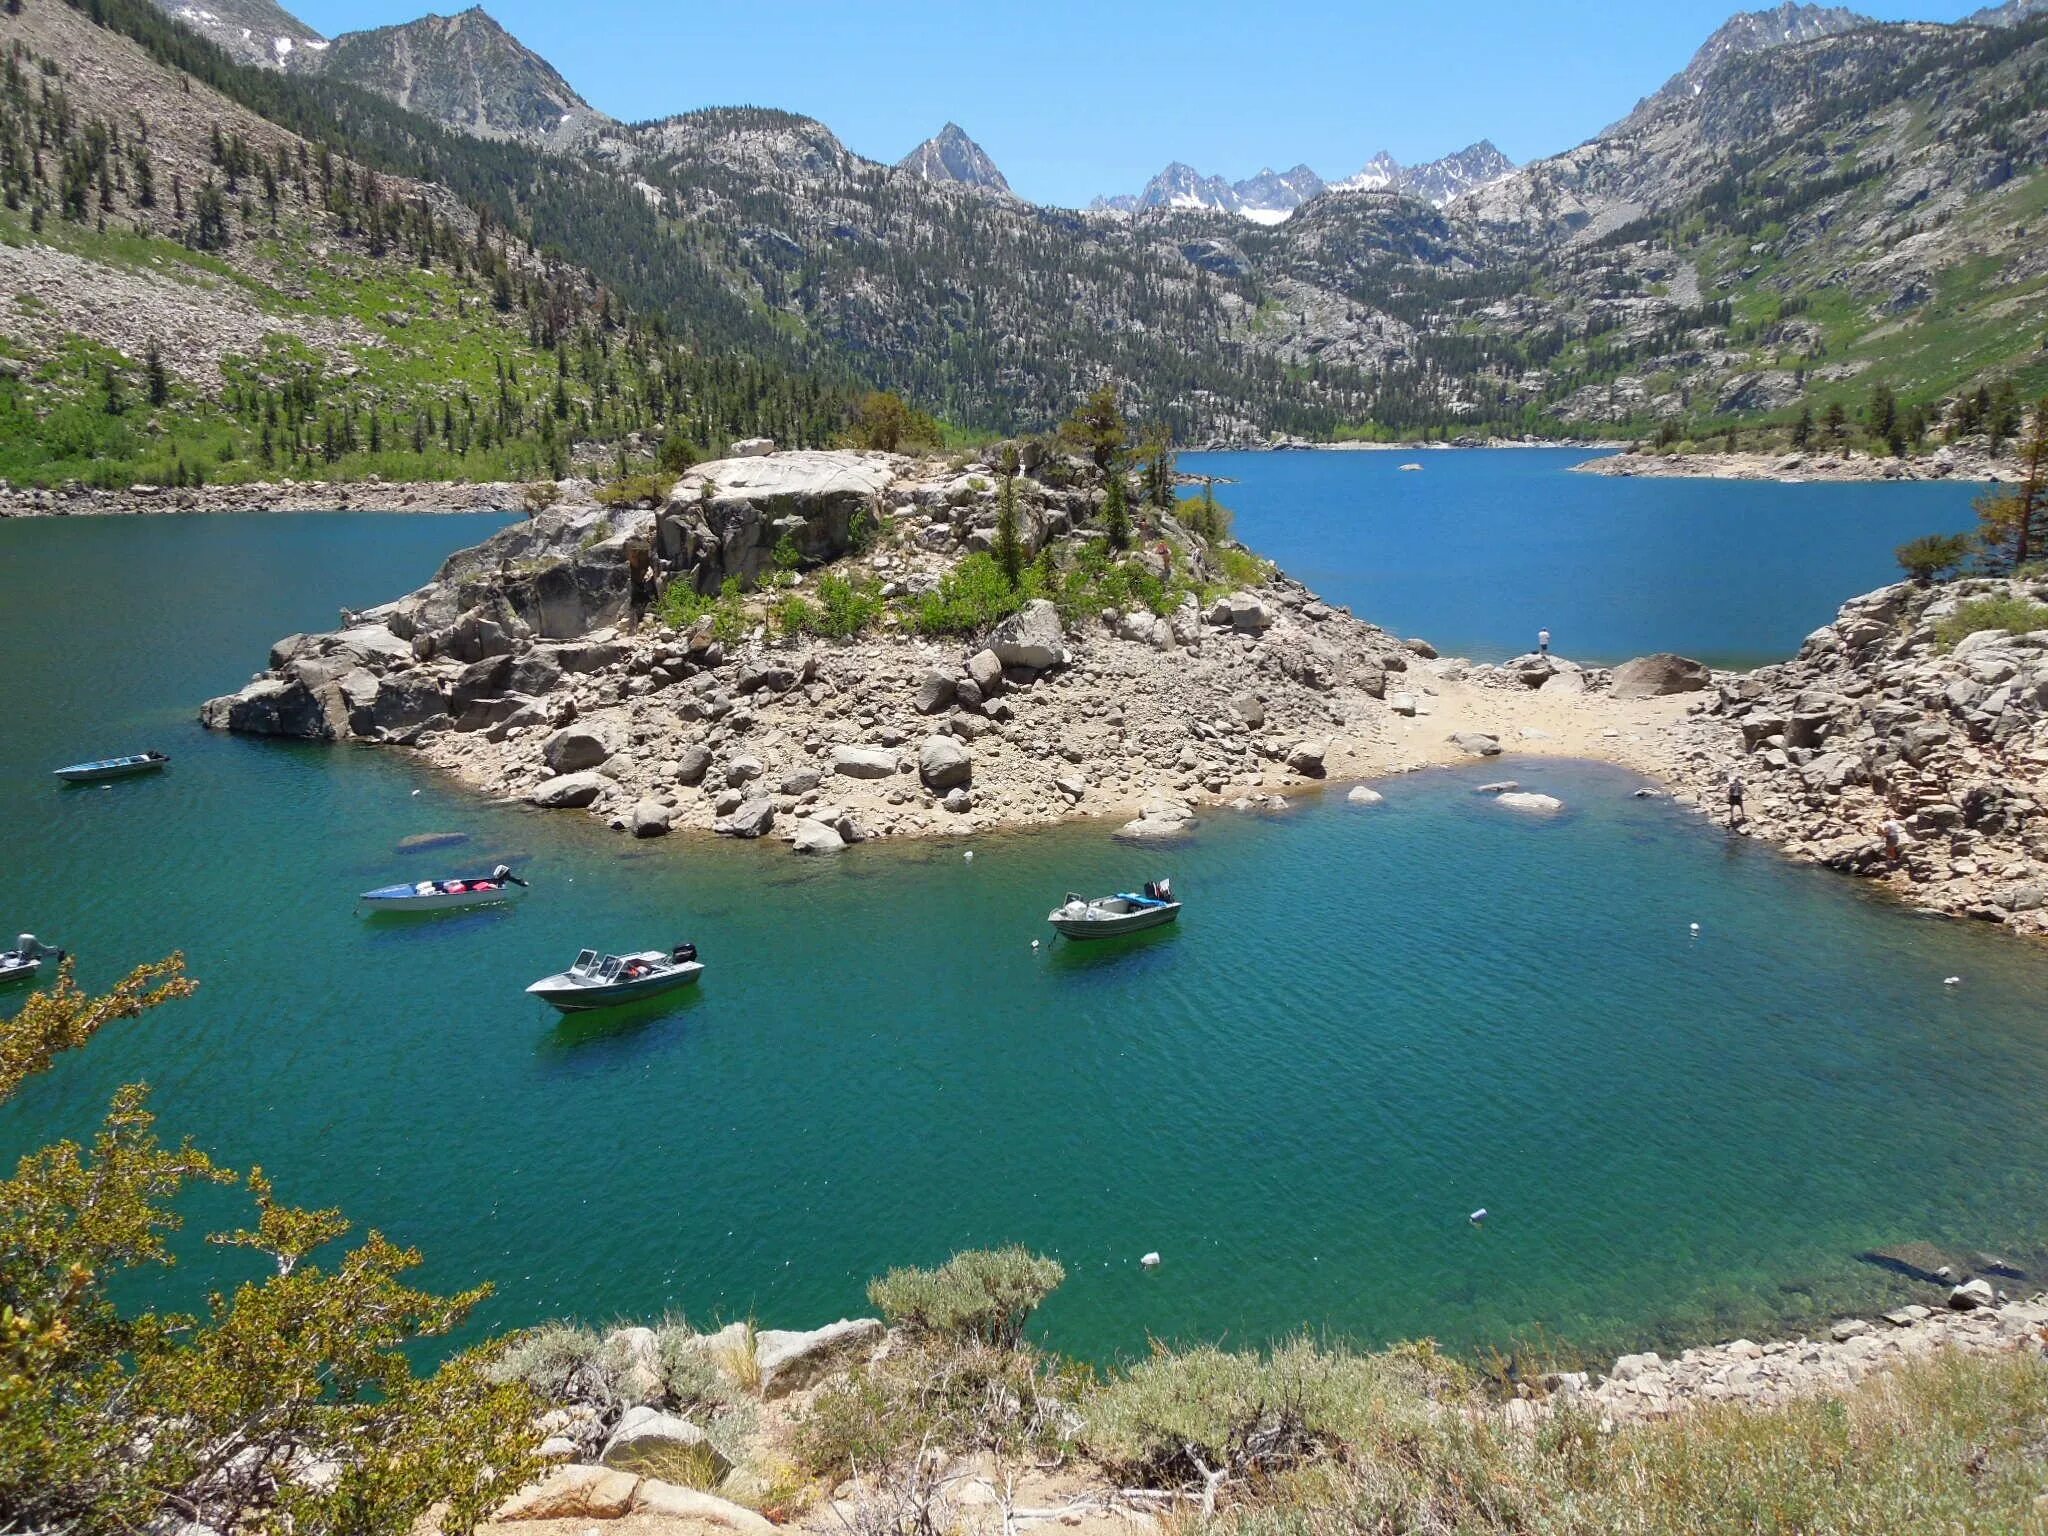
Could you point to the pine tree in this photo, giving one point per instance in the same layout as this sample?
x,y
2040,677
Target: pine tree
x,y
1009,547
1116,513
2012,525
159,376
1802,429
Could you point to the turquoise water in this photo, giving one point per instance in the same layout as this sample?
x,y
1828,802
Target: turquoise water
x,y
1483,548
1367,1024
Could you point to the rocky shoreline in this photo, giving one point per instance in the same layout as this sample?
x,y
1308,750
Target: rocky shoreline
x,y
285,496
1950,462
1900,709
535,668
623,1446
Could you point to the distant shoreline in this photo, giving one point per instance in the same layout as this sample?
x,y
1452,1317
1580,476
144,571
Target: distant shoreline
x,y
1303,446
430,497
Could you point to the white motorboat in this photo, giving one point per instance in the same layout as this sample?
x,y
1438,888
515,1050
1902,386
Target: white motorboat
x,y
112,768
26,958
445,895
600,981
1107,916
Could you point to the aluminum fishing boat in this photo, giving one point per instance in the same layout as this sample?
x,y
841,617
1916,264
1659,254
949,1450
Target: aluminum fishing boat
x,y
1107,916
600,981
113,768
445,895
26,958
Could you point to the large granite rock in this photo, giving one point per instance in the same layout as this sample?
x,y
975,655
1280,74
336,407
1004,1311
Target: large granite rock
x,y
1029,638
864,762
658,1444
752,818
1651,677
576,747
791,1361
725,518
944,763
568,791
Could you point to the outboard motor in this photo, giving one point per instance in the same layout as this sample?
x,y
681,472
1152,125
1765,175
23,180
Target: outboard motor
x,y
684,954
1163,889
503,873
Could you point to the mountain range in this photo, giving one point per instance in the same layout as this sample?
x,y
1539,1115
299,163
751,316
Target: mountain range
x,y
1818,201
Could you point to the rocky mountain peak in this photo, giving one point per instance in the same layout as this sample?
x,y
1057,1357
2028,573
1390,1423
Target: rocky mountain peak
x,y
464,71
950,156
1754,31
249,31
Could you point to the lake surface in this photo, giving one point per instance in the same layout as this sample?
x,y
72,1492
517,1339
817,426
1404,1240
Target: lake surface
x,y
1368,1024
1484,547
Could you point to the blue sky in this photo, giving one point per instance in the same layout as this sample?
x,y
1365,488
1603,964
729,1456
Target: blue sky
x,y
1072,99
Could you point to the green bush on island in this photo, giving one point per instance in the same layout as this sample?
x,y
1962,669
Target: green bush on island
x,y
1933,556
2014,615
986,1295
681,606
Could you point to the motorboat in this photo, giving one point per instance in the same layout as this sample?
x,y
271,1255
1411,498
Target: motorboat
x,y
26,958
113,768
445,895
1106,916
601,981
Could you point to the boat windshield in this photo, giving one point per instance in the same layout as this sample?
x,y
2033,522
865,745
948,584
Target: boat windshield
x,y
610,968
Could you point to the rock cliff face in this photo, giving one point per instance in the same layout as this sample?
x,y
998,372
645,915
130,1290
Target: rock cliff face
x,y
1879,717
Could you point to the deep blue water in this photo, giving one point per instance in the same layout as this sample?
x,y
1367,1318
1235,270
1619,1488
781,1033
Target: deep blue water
x,y
1484,547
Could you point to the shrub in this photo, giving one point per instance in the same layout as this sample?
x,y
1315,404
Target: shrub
x,y
970,598
692,1372
682,605
792,614
888,422
1169,1417
1239,566
846,607
561,1362
1933,556
540,495
642,490
1205,517
984,1294
2014,615
936,1392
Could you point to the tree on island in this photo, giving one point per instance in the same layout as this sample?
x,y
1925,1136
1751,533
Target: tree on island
x,y
2012,524
1098,428
1158,452
1116,512
1933,556
1009,549
116,1417
888,422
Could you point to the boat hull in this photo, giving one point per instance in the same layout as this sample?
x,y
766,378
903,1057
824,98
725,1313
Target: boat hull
x,y
90,773
566,995
438,901
1110,927
18,971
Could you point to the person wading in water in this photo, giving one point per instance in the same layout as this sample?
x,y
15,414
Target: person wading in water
x,y
1737,815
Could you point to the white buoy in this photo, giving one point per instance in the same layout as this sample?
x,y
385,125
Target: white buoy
x,y
1478,1217
1150,1261
415,792
1034,943
1695,927
1951,981
968,855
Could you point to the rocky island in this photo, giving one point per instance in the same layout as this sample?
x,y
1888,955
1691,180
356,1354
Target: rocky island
x,y
664,667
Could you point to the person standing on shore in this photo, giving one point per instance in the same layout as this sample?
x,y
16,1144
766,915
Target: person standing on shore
x,y
1894,833
1737,815
1542,642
